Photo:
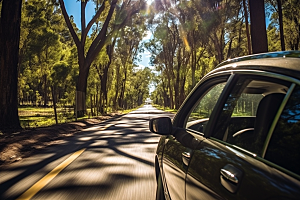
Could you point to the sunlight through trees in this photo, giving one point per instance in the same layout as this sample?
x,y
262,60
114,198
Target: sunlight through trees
x,y
94,69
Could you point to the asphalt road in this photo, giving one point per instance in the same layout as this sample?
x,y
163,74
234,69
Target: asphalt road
x,y
112,160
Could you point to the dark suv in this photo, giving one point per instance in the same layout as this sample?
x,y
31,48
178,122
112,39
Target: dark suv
x,y
237,135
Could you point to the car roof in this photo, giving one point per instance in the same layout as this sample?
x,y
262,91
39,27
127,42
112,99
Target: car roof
x,y
284,62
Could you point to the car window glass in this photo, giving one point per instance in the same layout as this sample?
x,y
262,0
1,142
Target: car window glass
x,y
248,113
284,146
203,109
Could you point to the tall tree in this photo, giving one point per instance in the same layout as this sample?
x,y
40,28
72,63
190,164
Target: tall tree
x,y
9,52
279,5
247,26
110,26
274,7
291,15
258,26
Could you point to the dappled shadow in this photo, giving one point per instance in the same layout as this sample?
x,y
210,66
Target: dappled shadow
x,y
123,145
17,145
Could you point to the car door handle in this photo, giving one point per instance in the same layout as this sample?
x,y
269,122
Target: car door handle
x,y
186,157
231,177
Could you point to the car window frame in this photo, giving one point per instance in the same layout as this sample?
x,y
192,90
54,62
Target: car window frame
x,y
292,80
181,118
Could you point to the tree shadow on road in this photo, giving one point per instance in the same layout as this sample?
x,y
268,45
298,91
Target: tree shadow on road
x,y
128,140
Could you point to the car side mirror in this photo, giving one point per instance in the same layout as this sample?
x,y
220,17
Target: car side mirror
x,y
161,125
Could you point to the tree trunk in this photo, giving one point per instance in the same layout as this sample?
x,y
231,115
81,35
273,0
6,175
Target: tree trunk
x,y
117,87
171,93
92,107
54,103
81,90
97,101
258,26
45,91
9,49
182,95
247,27
104,87
281,25
193,67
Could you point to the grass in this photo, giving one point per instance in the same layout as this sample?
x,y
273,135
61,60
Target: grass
x,y
40,117
31,117
167,109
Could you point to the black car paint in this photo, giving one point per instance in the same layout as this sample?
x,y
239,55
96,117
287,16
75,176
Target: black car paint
x,y
258,180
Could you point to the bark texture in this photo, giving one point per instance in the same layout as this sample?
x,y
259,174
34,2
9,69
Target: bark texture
x,y
9,56
258,26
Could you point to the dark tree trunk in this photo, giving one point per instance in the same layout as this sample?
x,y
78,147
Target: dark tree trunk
x,y
54,103
9,49
258,26
247,27
279,4
104,77
45,91
104,87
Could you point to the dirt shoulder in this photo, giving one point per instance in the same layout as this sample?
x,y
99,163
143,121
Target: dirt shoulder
x,y
18,145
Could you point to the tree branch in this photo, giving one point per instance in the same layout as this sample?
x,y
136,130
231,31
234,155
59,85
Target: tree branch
x,y
83,5
93,20
68,22
93,50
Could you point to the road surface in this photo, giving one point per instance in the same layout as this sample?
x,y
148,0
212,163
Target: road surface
x,y
112,160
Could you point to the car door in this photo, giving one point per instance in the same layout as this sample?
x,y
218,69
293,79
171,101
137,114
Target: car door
x,y
230,162
177,154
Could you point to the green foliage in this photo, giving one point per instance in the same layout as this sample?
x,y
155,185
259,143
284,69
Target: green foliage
x,y
45,53
192,37
189,39
40,117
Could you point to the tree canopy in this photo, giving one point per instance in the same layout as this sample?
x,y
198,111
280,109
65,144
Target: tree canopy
x,y
95,66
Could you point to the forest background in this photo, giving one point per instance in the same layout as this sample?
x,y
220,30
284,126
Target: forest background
x,y
189,38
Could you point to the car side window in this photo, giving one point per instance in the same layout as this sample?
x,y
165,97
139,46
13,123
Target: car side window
x,y
284,146
249,112
199,116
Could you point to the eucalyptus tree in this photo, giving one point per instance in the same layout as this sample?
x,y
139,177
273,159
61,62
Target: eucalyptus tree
x,y
275,7
9,47
102,64
258,26
160,95
41,46
163,48
140,80
113,15
284,24
291,17
246,15
127,49
59,76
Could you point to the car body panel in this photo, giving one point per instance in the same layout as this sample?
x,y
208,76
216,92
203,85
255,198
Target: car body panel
x,y
216,169
204,180
173,167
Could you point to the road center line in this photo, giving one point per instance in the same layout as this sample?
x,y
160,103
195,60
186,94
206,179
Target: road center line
x,y
46,179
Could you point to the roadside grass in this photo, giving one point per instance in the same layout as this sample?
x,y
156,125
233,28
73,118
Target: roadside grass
x,y
32,116
167,109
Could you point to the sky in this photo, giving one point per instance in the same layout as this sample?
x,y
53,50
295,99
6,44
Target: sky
x,y
73,8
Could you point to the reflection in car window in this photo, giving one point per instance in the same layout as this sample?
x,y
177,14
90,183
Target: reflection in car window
x,y
248,113
201,113
284,146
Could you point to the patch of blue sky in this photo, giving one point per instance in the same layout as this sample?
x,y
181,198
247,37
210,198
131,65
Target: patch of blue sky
x,y
74,9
